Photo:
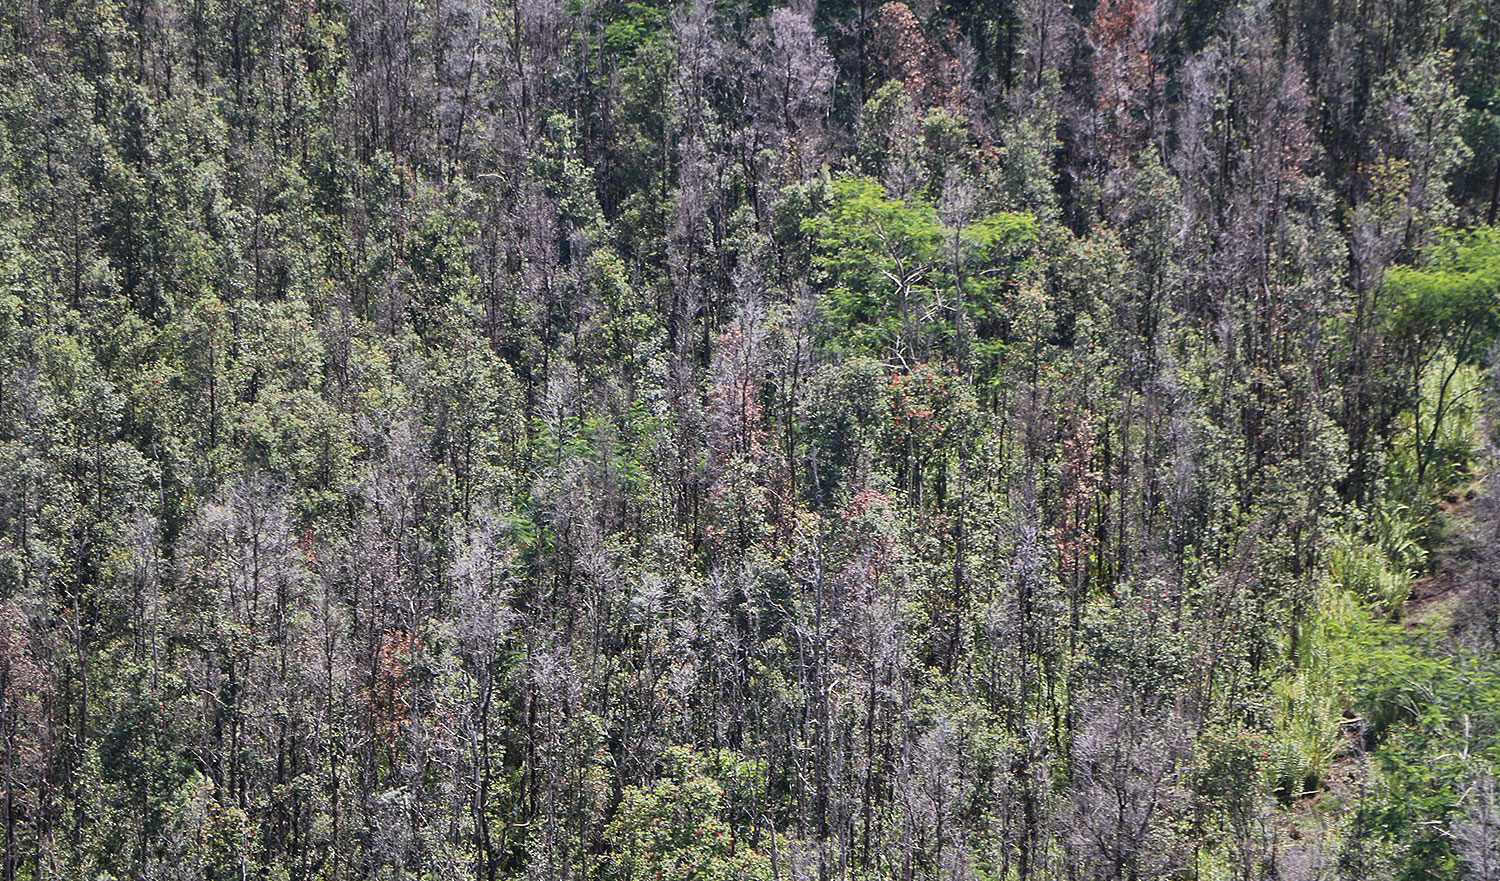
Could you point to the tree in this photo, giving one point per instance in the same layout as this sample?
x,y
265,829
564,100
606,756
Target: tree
x,y
1447,308
674,829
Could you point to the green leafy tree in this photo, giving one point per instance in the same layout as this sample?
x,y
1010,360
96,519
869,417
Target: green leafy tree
x,y
676,829
1446,308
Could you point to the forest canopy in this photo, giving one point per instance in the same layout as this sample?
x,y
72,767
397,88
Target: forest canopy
x,y
727,440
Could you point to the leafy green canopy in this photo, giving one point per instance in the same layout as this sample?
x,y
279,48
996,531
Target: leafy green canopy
x,y
675,828
1444,312
1451,302
897,278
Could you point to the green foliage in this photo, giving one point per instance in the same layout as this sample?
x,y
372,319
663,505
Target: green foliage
x,y
1130,643
631,25
896,277
1308,702
675,829
875,253
1451,303
1434,717
1379,574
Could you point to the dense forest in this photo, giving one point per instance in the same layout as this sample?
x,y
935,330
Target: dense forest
x,y
624,440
